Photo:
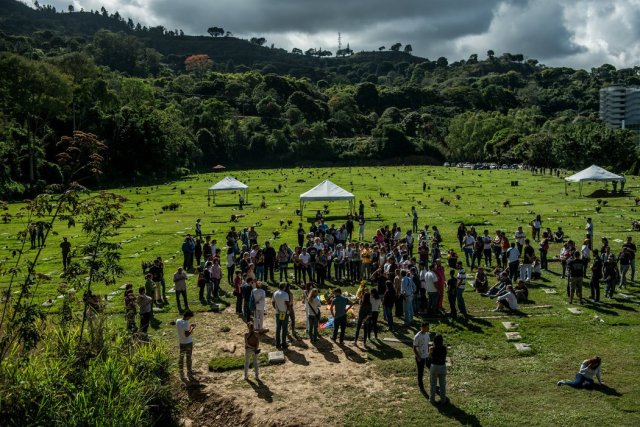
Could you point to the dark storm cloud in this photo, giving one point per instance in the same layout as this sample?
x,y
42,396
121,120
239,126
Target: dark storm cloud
x,y
579,33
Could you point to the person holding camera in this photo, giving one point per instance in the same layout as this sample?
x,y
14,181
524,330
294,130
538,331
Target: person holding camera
x,y
251,350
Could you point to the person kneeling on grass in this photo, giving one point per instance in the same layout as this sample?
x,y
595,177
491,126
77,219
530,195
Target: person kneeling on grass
x,y
251,350
584,377
507,301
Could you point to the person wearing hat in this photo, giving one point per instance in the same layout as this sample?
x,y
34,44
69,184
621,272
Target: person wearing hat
x,y
584,378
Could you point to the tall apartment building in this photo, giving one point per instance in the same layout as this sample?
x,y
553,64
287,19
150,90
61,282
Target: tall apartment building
x,y
620,107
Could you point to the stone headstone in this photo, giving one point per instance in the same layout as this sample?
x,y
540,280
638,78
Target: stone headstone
x,y
522,347
574,310
48,303
550,291
513,336
275,357
510,326
448,362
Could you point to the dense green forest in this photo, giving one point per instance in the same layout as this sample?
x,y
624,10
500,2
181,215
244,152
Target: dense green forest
x,y
166,104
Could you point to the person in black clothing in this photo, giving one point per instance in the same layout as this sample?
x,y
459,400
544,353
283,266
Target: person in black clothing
x,y
576,273
361,210
66,253
33,233
452,293
388,301
40,226
438,370
596,276
269,261
301,235
349,227
197,252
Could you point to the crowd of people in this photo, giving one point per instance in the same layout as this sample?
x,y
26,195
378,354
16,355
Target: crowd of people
x,y
398,272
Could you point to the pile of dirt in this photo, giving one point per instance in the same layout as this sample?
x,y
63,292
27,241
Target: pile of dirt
x,y
602,193
203,407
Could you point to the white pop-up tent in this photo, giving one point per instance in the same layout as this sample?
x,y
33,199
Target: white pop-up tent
x,y
229,183
326,191
592,173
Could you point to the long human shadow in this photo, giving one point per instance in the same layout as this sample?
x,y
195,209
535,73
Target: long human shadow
x,y
295,357
384,351
262,390
352,355
605,389
450,410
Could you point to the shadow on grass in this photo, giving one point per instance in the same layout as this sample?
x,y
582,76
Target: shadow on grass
x,y
601,309
450,410
384,351
262,390
352,355
605,389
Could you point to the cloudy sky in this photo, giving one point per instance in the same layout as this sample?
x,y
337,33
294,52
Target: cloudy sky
x,y
575,33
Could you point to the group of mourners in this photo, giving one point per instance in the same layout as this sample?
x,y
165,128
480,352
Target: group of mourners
x,y
399,273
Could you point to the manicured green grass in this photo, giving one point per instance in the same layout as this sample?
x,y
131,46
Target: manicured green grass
x,y
490,383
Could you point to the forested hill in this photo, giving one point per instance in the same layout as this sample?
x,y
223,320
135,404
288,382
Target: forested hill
x,y
165,103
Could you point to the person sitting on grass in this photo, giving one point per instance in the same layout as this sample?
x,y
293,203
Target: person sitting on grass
x,y
522,292
499,288
481,283
508,301
558,235
584,377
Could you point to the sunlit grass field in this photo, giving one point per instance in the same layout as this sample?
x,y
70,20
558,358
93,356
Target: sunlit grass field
x,y
490,383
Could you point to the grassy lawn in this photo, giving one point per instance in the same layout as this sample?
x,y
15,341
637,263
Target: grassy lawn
x,y
489,382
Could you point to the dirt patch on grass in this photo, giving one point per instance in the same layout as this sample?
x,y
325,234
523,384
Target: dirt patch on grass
x,y
302,391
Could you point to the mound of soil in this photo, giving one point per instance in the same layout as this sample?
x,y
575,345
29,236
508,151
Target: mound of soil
x,y
206,408
601,194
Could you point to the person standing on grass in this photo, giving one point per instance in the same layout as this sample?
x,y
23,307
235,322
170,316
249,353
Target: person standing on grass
x,y
185,338
188,248
361,227
596,276
544,250
461,233
610,275
407,291
584,378
519,236
631,249
198,228
259,299
65,246
438,370
376,302
292,312
313,307
361,210
144,302
536,225
467,243
421,353
197,252
280,301
240,201
180,286
513,261
440,284
527,262
462,284
251,351
130,307
388,301
231,265
40,227
269,261
576,274
589,229
430,280
33,232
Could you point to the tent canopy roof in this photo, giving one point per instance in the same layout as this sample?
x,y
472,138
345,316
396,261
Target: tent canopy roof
x,y
594,173
228,183
327,190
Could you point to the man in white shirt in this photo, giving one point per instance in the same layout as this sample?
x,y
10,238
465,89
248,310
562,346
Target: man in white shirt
x,y
259,297
280,301
467,246
486,240
421,352
185,339
431,278
180,286
507,301
513,257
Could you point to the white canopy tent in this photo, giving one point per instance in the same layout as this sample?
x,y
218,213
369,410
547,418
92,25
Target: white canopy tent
x,y
229,183
593,173
327,191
